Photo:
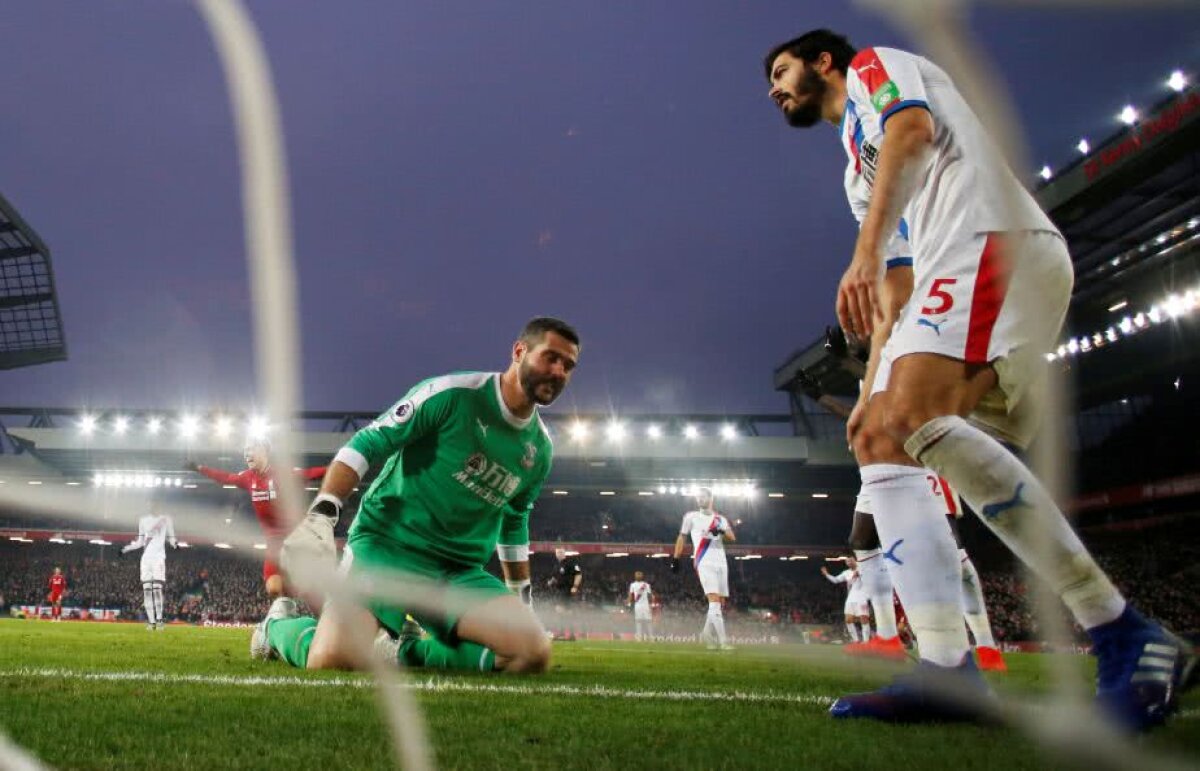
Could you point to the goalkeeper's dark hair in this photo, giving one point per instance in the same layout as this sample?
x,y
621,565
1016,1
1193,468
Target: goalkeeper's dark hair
x,y
536,329
809,46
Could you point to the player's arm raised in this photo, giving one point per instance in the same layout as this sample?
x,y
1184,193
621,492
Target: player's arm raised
x,y
408,420
903,158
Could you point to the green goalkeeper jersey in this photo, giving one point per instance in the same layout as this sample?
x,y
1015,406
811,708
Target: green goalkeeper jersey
x,y
460,471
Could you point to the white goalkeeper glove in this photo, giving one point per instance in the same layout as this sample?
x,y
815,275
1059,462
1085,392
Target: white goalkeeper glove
x,y
313,538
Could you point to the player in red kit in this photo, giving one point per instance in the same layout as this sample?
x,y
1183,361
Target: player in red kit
x,y
259,480
58,585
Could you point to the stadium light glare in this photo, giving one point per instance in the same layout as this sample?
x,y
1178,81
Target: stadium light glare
x,y
798,557
260,546
658,555
728,432
120,425
820,495
774,495
673,489
257,427
177,482
1177,81
662,489
57,539
73,483
188,426
615,431
1128,115
1118,306
559,492
646,493
579,430
184,545
617,554
1046,173
87,425
34,482
691,432
1083,146
223,427
154,425
100,542
654,431
222,546
607,492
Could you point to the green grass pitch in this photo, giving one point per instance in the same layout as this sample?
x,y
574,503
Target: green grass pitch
x,y
87,695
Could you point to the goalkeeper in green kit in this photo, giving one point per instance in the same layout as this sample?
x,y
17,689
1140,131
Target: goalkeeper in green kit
x,y
463,458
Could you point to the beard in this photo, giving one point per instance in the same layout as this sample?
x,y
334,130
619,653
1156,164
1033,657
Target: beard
x,y
808,114
541,389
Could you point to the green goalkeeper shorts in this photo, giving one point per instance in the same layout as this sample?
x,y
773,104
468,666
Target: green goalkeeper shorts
x,y
474,585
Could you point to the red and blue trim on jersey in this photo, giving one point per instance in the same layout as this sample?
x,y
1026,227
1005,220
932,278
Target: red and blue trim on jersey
x,y
874,76
702,549
853,134
991,286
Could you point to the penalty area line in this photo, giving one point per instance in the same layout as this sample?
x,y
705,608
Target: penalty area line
x,y
428,685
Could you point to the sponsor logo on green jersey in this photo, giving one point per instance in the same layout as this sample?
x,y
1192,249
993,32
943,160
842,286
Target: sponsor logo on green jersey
x,y
488,479
885,95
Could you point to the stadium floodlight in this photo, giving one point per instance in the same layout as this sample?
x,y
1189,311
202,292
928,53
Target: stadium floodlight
x,y
1155,315
260,546
774,495
1046,173
34,482
1117,306
73,483
607,493
749,492
184,545
228,521
662,489
154,425
100,542
579,430
691,432
177,482
188,426
646,493
820,495
1126,326
615,431
1177,81
673,489
1083,146
87,425
658,555
1110,334
120,425
222,546
617,554
257,427
223,427
728,432
559,492
1128,115
654,431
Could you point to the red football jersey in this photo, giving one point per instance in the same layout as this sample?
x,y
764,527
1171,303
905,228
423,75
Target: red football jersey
x,y
261,486
58,584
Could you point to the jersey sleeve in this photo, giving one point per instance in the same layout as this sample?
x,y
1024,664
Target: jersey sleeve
x,y
686,527
514,523
413,417
887,81
840,578
170,529
898,253
226,477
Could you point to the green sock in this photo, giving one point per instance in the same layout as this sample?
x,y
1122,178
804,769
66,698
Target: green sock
x,y
291,638
435,654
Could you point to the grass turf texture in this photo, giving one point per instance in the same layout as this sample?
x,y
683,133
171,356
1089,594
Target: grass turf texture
x,y
604,705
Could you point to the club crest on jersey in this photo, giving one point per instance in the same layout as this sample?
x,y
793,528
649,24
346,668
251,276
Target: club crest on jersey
x,y
530,456
403,412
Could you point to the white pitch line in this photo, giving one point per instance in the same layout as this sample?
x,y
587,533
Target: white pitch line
x,y
445,685
429,685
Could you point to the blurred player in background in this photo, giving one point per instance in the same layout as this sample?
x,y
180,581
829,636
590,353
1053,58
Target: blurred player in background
x,y
58,586
565,587
709,531
641,597
462,461
155,531
992,280
259,480
855,610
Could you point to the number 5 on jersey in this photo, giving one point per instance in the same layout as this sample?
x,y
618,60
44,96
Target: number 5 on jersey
x,y
939,300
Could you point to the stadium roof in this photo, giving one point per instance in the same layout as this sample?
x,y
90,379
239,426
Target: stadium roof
x,y
31,330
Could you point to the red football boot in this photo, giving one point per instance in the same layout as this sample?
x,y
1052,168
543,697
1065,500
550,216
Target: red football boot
x,y
889,648
990,659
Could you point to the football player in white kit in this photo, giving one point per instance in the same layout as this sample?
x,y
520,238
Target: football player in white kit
x,y
155,531
641,595
855,610
709,531
992,282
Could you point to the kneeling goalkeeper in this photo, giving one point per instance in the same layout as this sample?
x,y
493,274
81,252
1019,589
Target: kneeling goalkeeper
x,y
463,459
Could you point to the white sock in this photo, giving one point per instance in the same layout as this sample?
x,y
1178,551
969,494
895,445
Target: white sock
x,y
866,630
974,609
158,603
922,558
706,634
1012,502
852,630
877,583
148,601
717,619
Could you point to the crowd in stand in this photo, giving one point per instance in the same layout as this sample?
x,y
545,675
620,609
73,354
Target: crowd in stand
x,y
1156,568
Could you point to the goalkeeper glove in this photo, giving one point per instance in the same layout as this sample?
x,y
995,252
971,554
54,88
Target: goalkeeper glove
x,y
313,537
523,589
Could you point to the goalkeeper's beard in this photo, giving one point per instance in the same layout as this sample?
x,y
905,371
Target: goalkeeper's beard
x,y
536,387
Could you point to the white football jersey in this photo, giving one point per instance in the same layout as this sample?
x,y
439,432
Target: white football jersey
x,y
851,579
966,187
153,532
641,593
698,525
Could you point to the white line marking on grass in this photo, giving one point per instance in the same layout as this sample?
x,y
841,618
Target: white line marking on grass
x,y
433,685
444,685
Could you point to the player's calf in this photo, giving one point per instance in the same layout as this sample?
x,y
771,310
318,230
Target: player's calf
x,y
508,628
